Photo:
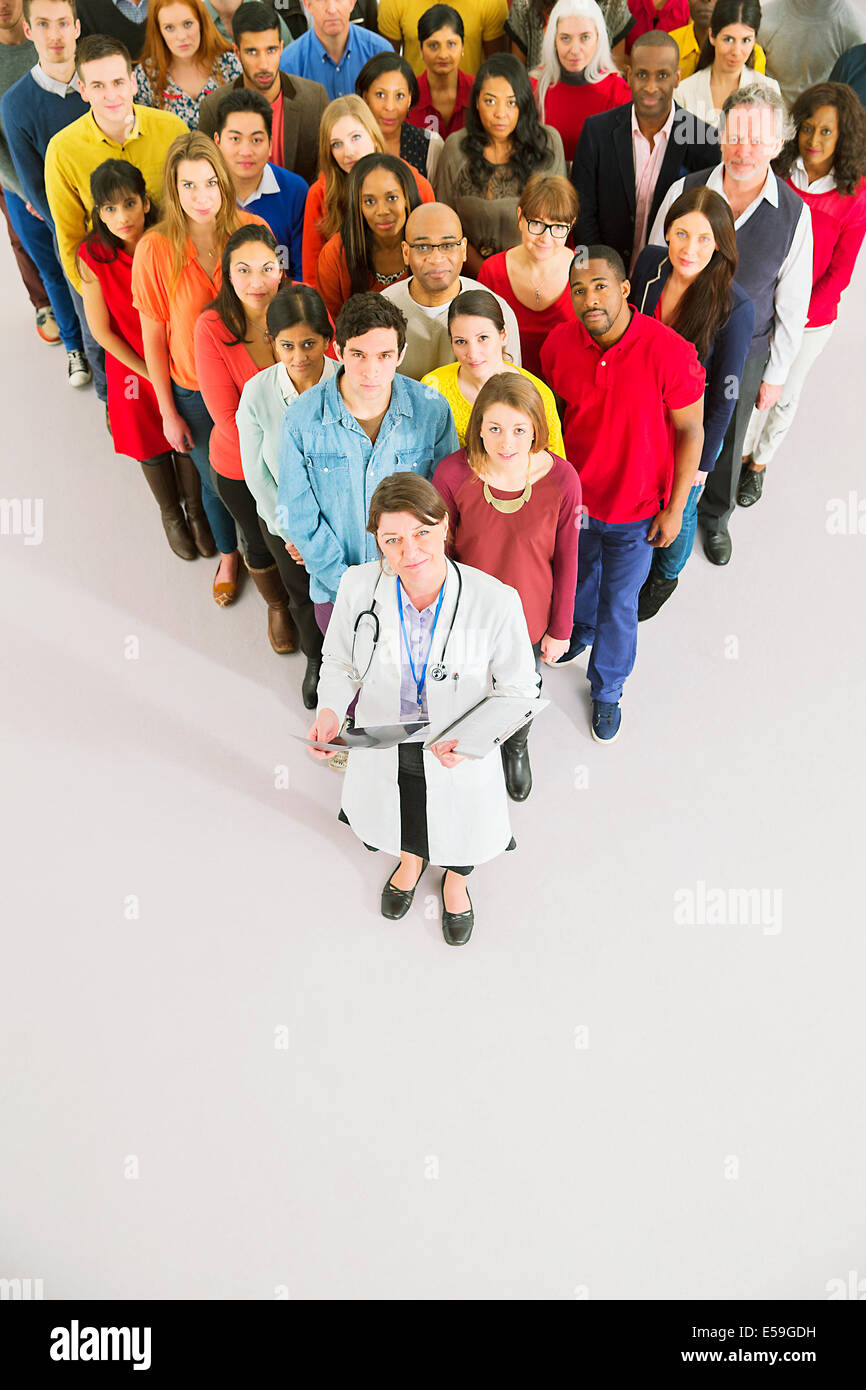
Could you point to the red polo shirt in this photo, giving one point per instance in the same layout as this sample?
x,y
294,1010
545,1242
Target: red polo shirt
x,y
617,427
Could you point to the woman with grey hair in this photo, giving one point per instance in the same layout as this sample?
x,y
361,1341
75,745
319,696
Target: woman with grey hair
x,y
527,20
577,77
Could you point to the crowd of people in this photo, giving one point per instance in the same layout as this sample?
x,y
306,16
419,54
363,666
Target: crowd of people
x,y
358,290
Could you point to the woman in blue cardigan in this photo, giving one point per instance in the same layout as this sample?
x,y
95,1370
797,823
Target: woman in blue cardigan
x,y
689,285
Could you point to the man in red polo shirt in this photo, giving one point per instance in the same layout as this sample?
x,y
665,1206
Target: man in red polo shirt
x,y
633,397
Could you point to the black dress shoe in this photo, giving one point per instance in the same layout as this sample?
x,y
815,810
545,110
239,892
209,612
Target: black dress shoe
x,y
310,683
718,547
656,591
751,486
397,901
456,926
515,762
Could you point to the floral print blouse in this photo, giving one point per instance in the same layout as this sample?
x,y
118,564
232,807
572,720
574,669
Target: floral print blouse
x,y
226,69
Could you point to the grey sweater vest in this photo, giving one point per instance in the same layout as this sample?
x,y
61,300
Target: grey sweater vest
x,y
762,243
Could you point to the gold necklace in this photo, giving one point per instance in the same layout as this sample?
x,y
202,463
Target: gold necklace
x,y
513,504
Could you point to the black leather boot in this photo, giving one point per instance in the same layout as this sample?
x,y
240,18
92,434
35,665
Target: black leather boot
x,y
310,683
656,591
515,761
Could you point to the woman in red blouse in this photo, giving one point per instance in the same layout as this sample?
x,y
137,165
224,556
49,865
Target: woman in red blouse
x,y
825,163
514,512
443,90
577,77
533,277
232,345
122,212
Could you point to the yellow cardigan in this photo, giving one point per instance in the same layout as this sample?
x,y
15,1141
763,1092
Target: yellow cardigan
x,y
444,379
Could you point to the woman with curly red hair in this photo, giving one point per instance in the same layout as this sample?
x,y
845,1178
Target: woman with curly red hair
x,y
825,163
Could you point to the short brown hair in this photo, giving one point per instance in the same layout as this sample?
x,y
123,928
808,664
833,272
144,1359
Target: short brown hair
x,y
70,3
406,492
97,46
505,388
549,198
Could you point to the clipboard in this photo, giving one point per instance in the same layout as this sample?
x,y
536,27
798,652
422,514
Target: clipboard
x,y
488,724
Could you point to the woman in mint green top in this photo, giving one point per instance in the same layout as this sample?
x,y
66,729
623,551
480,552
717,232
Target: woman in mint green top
x,y
300,331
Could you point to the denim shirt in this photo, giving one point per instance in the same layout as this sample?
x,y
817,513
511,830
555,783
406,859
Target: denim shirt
x,y
329,470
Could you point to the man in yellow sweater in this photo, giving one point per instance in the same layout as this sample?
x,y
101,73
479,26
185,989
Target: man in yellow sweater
x,y
690,39
113,128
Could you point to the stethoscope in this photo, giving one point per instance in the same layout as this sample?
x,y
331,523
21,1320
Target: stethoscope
x,y
437,672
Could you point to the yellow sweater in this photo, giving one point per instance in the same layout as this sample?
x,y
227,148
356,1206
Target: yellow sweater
x,y
690,52
444,379
73,154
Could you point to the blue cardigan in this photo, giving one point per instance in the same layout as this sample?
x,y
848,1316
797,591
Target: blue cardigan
x,y
31,116
284,214
728,351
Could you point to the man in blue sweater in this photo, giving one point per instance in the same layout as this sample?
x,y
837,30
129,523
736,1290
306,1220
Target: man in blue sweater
x,y
243,133
39,104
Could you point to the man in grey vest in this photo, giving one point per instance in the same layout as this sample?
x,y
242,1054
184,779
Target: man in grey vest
x,y
774,241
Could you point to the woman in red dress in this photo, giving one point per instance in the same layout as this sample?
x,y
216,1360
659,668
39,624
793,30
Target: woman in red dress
x,y
122,212
533,277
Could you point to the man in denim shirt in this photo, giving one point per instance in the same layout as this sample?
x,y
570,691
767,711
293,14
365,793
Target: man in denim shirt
x,y
341,438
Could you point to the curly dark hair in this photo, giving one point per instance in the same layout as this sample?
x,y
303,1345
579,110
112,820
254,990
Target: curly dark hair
x,y
849,161
530,147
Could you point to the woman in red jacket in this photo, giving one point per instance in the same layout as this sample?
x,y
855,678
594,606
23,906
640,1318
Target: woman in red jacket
x,y
232,345
825,162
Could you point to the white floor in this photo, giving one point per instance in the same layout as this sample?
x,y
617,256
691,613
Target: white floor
x,y
225,1075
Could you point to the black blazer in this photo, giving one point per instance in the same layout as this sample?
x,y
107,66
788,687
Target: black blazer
x,y
603,174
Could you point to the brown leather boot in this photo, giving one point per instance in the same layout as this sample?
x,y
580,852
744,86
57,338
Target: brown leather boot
x,y
281,629
163,484
190,486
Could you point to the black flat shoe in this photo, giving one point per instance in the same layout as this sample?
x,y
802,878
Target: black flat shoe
x,y
656,591
397,901
456,926
751,486
718,547
310,683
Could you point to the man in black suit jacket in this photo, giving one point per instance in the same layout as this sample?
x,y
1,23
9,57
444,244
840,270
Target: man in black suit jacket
x,y
603,171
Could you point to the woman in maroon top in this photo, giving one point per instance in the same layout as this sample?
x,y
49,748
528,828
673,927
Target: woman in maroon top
x,y
232,345
514,512
443,90
533,277
122,212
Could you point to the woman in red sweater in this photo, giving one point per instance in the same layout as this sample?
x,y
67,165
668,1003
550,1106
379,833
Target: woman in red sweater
x,y
577,77
825,162
232,344
366,253
533,277
513,512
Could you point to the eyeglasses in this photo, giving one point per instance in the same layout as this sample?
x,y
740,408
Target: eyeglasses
x,y
426,248
560,230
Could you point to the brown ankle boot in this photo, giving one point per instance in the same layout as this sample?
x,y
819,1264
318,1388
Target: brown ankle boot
x,y
163,484
190,486
281,629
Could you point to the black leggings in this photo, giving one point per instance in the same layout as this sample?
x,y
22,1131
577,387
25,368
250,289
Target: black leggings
x,y
413,805
261,550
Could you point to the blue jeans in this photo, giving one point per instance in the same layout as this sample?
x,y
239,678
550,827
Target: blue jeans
x,y
194,411
94,353
613,560
36,238
670,561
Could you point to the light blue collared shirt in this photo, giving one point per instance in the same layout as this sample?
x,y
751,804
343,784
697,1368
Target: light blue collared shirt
x,y
306,57
329,470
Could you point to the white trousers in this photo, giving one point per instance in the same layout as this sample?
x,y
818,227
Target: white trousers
x,y
767,428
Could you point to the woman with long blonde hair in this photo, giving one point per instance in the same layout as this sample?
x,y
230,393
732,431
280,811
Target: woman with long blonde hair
x,y
349,130
175,273
183,59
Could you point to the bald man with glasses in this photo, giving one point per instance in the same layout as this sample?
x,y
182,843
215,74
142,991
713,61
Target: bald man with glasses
x,y
434,250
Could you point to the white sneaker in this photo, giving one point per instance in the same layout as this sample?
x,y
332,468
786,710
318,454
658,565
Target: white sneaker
x,y
78,369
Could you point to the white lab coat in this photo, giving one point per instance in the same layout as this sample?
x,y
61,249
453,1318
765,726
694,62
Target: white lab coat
x,y
488,653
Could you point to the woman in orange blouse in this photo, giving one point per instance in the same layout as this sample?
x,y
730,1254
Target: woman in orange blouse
x,y
366,253
175,273
348,131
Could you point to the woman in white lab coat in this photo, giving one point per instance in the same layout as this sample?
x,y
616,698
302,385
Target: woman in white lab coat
x,y
421,638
